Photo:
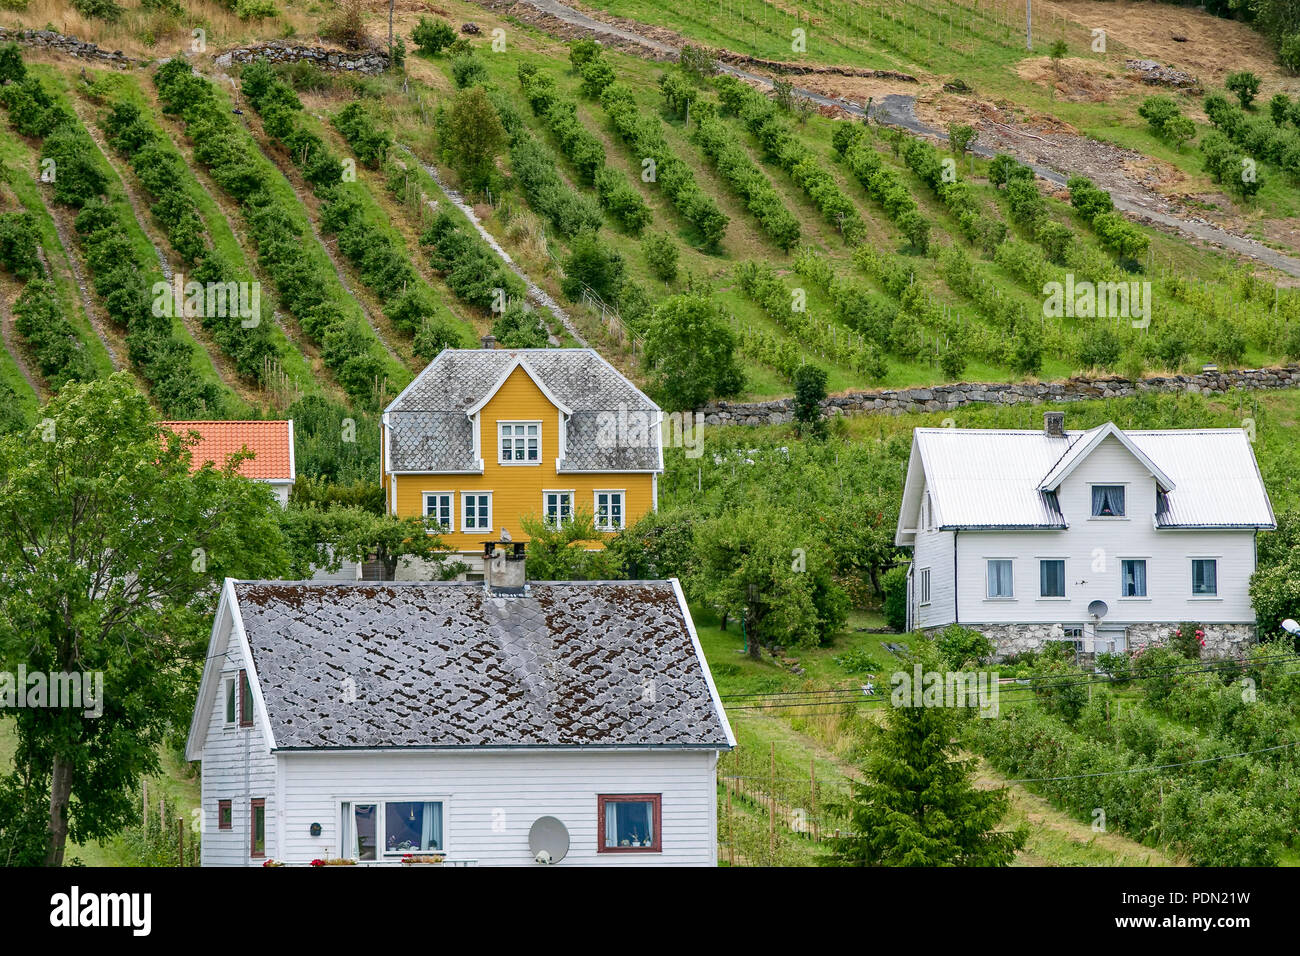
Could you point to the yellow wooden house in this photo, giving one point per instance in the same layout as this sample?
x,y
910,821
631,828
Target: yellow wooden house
x,y
483,438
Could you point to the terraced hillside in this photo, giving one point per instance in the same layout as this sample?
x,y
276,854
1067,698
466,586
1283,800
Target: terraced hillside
x,y
553,190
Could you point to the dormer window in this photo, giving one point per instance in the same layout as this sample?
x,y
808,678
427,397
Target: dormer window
x,y
1108,501
521,443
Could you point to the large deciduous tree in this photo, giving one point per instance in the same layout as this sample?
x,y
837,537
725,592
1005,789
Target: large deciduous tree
x,y
111,553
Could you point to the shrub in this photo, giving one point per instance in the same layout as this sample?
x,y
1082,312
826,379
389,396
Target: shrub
x,y
1245,84
467,71
593,265
432,36
582,52
809,393
20,244
1188,639
745,179
105,10
520,328
12,68
1157,111
963,647
660,255
367,139
894,585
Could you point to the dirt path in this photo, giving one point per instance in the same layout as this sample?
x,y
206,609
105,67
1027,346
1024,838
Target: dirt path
x,y
535,293
1054,158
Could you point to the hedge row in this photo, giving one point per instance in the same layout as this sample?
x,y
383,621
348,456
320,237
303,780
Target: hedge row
x,y
306,289
760,115
884,186
38,314
534,167
760,283
368,140
162,172
1259,136
1218,812
746,180
468,266
1094,206
118,276
584,150
644,137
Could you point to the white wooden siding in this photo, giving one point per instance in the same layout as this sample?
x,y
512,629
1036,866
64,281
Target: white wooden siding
x,y
933,550
1093,549
236,767
492,799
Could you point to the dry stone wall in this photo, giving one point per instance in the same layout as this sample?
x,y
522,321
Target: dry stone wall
x,y
363,61
948,397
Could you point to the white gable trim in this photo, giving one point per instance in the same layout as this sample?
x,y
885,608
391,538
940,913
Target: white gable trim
x,y
293,462
517,363
1087,445
704,665
217,647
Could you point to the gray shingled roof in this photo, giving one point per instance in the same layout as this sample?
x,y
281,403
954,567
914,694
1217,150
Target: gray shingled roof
x,y
438,664
429,430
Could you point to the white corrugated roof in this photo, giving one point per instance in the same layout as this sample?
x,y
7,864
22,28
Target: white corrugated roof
x,y
989,478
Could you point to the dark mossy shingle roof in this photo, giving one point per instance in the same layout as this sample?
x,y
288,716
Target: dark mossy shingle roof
x,y
439,664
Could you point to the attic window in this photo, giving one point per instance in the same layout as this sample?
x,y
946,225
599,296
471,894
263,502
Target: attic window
x,y
521,443
245,701
1108,501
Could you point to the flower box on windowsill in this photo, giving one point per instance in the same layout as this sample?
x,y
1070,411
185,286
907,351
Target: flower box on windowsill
x,y
430,859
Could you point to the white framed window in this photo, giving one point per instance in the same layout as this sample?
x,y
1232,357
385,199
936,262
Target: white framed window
x,y
1133,578
1051,578
1205,577
231,702
439,510
558,507
373,830
925,512
476,511
1108,501
999,582
520,443
609,510
923,586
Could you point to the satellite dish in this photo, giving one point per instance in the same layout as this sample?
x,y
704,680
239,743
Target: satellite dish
x,y
550,837
1098,609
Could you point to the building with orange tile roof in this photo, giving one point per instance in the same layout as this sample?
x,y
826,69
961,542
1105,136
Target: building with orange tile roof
x,y
271,444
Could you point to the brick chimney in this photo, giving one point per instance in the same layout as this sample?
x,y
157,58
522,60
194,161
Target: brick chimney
x,y
1054,424
489,341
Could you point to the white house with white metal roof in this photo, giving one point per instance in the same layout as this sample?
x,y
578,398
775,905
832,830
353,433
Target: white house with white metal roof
x,y
1106,537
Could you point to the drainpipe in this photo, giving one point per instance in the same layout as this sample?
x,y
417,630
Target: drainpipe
x,y
956,617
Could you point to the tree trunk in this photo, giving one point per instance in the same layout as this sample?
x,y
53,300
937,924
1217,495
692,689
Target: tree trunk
x,y
60,794
390,30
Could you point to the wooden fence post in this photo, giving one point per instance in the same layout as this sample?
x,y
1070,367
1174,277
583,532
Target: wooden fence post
x,y
771,812
812,816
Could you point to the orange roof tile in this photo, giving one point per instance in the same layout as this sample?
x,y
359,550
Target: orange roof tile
x,y
270,442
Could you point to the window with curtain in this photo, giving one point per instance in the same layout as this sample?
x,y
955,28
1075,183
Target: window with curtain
x,y
629,823
1133,578
1000,578
1108,501
412,827
1205,577
1051,578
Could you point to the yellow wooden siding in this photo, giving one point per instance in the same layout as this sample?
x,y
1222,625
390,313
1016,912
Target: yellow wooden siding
x,y
517,490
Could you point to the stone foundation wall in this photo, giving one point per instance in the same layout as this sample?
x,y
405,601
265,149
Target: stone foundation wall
x,y
947,397
369,61
1221,640
70,46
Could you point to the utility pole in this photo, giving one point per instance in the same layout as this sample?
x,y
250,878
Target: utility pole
x,y
1029,24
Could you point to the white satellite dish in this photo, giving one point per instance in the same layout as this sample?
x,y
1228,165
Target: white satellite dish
x,y
1098,609
548,840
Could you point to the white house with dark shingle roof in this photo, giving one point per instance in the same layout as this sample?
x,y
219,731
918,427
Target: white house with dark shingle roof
x,y
1107,537
374,720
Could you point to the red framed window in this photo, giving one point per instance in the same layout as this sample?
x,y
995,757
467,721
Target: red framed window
x,y
629,823
245,701
225,818
257,827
